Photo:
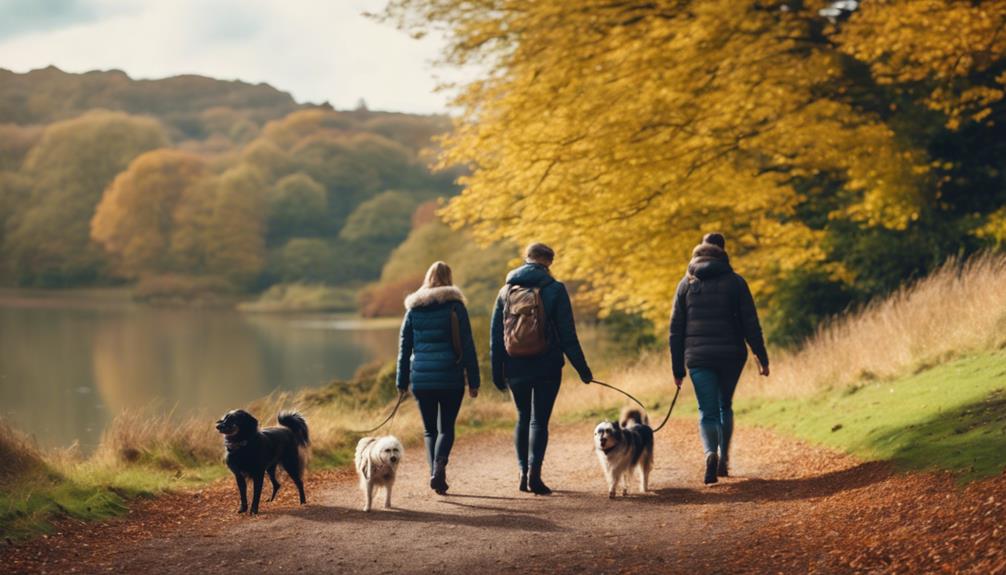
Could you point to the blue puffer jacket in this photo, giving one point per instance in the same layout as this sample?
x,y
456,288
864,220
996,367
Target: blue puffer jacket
x,y
562,338
426,356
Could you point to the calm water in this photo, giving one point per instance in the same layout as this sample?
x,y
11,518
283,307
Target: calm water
x,y
70,361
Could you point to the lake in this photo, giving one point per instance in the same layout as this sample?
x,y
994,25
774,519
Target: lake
x,y
71,361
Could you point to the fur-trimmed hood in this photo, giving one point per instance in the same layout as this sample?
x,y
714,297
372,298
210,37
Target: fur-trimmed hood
x,y
430,296
708,260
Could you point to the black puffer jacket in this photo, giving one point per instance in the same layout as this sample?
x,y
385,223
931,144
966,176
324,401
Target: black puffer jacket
x,y
714,314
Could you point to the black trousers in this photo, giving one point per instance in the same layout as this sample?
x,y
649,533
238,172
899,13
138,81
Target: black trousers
x,y
439,408
534,399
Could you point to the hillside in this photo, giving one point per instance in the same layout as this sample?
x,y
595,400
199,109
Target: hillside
x,y
49,95
191,188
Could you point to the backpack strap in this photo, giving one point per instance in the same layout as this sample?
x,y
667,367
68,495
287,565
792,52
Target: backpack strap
x,y
456,335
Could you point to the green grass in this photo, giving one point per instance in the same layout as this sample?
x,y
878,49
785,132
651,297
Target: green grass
x,y
951,417
88,493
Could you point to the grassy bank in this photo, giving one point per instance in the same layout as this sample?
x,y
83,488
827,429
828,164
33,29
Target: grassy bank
x,y
951,417
143,454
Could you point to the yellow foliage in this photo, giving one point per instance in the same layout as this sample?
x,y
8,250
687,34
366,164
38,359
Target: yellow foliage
x,y
953,44
136,216
620,132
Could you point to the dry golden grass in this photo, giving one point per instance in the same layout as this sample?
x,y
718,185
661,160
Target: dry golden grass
x,y
958,310
19,457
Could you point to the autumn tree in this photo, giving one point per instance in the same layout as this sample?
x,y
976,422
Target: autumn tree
x,y
621,131
235,238
297,207
384,219
137,215
49,239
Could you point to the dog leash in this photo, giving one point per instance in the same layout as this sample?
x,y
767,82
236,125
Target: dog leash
x,y
677,391
625,393
401,398
669,410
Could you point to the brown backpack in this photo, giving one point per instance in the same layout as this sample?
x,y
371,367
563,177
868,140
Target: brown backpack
x,y
525,331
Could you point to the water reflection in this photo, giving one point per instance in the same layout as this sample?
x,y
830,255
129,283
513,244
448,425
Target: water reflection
x,y
68,363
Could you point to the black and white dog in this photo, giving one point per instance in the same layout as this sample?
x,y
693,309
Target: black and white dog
x,y
623,446
251,452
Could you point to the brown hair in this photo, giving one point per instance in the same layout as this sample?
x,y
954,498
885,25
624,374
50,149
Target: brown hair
x,y
438,275
539,253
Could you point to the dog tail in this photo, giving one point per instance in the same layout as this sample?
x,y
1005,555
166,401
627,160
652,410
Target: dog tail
x,y
633,416
295,422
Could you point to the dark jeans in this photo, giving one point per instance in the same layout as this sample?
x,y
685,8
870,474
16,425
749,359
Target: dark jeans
x,y
439,408
534,399
714,390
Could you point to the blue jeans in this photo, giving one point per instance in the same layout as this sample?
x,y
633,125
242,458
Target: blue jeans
x,y
439,408
714,390
534,399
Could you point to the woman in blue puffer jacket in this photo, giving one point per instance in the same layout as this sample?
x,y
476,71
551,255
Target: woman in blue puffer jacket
x,y
436,352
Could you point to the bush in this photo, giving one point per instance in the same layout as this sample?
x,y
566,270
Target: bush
x,y
385,299
171,288
302,297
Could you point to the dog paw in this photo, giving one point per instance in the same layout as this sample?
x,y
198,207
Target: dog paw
x,y
366,508
611,495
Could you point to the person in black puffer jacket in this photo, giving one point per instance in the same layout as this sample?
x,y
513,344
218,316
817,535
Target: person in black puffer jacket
x,y
714,315
436,352
534,381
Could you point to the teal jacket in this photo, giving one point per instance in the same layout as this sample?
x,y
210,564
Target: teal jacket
x,y
562,336
426,355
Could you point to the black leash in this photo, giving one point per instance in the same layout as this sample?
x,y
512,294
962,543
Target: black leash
x,y
401,398
625,393
674,401
669,410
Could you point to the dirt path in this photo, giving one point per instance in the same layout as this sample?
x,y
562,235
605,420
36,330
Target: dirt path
x,y
789,509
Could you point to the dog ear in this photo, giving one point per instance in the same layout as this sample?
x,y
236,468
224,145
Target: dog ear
x,y
249,419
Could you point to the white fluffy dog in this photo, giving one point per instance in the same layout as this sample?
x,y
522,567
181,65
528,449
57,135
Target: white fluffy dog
x,y
623,446
377,460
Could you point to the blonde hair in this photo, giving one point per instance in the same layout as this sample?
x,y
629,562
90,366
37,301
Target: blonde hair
x,y
438,275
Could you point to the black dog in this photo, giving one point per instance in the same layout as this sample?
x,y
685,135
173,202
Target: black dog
x,y
252,453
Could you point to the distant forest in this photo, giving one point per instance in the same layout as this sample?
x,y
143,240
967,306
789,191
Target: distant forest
x,y
189,187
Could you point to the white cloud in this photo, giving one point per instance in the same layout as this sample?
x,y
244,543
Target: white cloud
x,y
319,50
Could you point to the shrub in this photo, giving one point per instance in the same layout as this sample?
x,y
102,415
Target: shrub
x,y
385,299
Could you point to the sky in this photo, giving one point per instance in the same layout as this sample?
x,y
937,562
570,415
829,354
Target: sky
x,y
318,50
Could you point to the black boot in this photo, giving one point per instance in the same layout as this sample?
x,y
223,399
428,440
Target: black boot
x,y
712,462
721,468
438,482
523,481
535,483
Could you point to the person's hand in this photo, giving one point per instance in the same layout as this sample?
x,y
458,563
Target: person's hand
x,y
762,370
587,377
473,392
402,393
678,381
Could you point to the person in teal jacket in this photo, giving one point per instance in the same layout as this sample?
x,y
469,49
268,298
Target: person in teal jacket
x,y
436,353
